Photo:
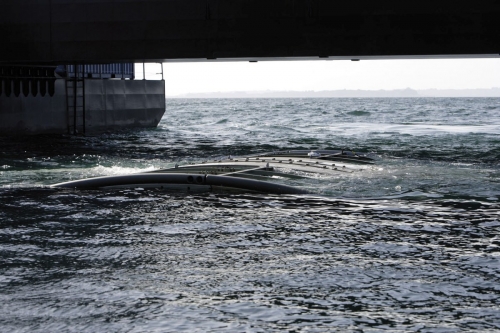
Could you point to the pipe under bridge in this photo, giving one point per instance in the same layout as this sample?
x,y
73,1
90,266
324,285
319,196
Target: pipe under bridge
x,y
106,31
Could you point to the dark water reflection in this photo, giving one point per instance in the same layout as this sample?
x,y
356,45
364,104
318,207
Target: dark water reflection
x,y
138,260
420,252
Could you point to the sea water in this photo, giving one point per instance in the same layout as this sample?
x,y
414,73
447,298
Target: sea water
x,y
410,244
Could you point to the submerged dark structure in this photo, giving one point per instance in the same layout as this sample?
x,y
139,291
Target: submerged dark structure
x,y
47,33
256,172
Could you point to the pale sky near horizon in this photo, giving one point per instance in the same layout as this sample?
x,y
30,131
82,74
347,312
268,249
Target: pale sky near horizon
x,y
317,75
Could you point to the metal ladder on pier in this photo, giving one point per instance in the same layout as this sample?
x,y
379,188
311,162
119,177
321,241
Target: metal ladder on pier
x,y
75,102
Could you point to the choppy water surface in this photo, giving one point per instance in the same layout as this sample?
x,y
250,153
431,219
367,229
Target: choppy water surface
x,y
409,245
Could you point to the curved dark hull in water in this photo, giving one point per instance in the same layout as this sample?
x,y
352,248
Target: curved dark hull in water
x,y
248,173
162,180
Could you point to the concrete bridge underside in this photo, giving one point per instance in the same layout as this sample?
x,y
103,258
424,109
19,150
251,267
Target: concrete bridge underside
x,y
37,35
100,31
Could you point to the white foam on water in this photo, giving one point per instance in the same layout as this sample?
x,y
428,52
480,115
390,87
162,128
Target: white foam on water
x,y
118,170
41,177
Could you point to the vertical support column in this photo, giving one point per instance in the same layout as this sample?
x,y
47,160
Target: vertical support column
x,y
83,99
75,83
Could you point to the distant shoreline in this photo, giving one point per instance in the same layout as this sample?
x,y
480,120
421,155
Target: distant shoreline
x,y
397,93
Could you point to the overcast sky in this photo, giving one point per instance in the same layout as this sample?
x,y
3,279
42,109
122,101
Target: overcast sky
x,y
195,77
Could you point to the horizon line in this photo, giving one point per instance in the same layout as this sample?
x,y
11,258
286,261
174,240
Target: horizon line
x,y
368,91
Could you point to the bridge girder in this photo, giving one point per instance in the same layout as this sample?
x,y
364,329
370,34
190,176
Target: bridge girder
x,y
100,31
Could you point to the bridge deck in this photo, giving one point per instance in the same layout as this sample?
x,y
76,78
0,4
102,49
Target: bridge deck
x,y
62,31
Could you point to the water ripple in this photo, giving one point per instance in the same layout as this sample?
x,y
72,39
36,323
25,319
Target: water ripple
x,y
241,262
